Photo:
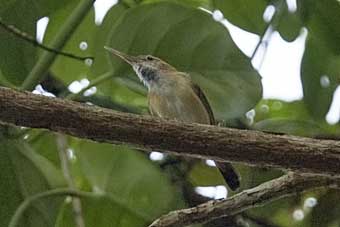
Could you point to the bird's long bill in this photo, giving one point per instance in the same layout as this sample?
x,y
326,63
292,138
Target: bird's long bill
x,y
129,59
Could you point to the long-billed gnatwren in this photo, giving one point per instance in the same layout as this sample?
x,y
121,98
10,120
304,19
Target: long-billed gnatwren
x,y
173,95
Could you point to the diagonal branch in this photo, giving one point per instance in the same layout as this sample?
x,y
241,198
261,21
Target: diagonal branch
x,y
284,186
300,154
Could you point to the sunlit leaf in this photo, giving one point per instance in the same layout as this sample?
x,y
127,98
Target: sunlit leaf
x,y
271,108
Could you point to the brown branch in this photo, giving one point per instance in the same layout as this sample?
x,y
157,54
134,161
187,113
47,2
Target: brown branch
x,y
284,186
209,142
28,38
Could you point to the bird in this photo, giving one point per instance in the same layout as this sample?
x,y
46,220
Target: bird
x,y
173,95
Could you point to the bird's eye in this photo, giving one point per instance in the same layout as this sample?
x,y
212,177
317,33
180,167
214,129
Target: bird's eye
x,y
150,58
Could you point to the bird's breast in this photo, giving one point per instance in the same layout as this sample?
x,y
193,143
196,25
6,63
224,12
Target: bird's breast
x,y
180,103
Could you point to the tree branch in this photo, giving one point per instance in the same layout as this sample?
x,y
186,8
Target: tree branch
x,y
300,154
284,186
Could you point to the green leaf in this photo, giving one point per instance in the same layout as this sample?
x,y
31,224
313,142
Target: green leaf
x,y
322,21
44,143
40,7
289,24
128,175
290,118
327,202
247,14
280,212
204,175
207,4
95,37
17,56
101,211
321,60
102,35
53,175
3,80
24,173
193,42
271,108
289,126
319,74
64,68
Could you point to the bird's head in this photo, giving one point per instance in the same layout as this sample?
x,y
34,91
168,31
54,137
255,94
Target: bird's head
x,y
149,69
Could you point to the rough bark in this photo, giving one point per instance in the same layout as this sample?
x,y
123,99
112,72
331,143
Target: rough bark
x,y
222,144
284,186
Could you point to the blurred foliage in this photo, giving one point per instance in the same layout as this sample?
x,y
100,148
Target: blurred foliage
x,y
129,189
291,118
24,173
14,53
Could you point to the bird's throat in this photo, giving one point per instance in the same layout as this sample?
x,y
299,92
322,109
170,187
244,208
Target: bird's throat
x,y
146,75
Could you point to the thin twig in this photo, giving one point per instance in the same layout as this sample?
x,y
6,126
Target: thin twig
x,y
25,36
268,31
64,160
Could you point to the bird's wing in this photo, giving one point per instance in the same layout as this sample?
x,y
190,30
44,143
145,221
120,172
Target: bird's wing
x,y
198,91
227,170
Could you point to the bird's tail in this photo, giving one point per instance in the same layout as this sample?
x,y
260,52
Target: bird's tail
x,y
229,174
